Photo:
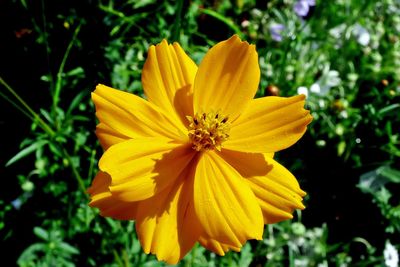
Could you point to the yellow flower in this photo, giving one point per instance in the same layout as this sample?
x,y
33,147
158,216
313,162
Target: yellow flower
x,y
194,162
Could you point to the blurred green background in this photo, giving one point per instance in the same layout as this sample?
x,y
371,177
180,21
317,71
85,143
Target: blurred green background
x,y
344,55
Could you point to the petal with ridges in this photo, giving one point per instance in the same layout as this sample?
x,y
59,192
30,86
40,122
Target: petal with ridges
x,y
277,190
108,205
227,78
108,137
269,124
215,246
167,78
133,116
167,225
226,207
140,168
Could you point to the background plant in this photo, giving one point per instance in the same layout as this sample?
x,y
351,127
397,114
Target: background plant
x,y
345,55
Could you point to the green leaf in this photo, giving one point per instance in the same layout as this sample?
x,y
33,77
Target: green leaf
x,y
29,254
26,151
373,181
142,3
41,233
75,102
245,255
392,174
388,108
68,248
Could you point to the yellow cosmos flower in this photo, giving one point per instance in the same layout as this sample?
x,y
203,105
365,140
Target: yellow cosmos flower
x,y
194,162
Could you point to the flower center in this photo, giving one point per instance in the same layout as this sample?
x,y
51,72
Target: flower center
x,y
208,130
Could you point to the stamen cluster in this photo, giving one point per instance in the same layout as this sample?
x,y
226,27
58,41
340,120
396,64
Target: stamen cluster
x,y
207,131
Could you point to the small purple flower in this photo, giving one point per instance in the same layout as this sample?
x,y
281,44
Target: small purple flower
x,y
276,32
302,7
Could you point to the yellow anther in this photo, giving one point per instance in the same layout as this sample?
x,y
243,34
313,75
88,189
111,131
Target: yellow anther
x,y
208,131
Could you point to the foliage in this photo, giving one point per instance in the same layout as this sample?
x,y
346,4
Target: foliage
x,y
344,55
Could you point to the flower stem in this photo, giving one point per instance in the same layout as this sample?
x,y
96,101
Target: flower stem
x,y
176,27
42,124
223,19
33,115
57,90
75,171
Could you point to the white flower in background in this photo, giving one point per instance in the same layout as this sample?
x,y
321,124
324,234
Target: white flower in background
x,y
391,255
245,23
329,78
362,35
337,31
302,90
301,262
315,88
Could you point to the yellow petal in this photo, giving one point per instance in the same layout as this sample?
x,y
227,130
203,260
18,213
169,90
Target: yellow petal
x,y
167,78
108,205
226,207
215,246
277,190
108,136
167,225
227,78
140,168
269,124
133,116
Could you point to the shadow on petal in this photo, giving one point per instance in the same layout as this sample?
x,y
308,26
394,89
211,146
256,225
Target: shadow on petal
x,y
247,164
183,103
167,225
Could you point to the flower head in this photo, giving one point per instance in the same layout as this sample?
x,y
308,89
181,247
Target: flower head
x,y
194,162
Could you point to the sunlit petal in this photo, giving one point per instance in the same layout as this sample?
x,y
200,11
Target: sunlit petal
x,y
215,246
227,78
269,124
167,224
108,136
133,116
108,205
167,78
140,168
224,203
277,190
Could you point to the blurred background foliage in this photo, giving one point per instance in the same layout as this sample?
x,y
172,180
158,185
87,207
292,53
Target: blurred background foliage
x,y
344,55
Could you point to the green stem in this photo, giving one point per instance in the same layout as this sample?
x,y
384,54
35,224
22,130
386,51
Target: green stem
x,y
28,109
45,38
16,106
75,171
34,116
91,166
111,11
56,96
223,19
176,28
288,52
291,256
118,258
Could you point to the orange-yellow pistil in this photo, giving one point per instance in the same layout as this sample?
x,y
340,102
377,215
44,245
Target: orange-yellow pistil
x,y
207,131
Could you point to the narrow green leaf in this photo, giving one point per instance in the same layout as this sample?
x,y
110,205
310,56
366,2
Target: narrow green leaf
x,y
75,102
223,19
26,151
41,233
68,248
